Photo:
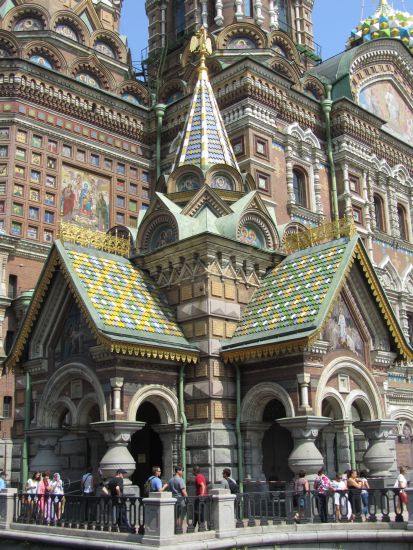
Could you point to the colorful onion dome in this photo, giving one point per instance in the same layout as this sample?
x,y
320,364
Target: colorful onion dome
x,y
386,22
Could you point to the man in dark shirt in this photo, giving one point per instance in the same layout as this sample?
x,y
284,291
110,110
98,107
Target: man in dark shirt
x,y
115,487
178,489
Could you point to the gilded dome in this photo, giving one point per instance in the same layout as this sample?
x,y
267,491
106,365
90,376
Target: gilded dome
x,y
386,22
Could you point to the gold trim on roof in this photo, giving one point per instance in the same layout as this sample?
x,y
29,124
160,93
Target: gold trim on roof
x,y
72,233
323,233
264,352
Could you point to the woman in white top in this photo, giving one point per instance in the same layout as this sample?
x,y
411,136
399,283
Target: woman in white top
x,y
56,489
401,485
33,483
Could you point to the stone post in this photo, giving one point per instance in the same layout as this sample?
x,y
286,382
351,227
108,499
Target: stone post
x,y
304,380
223,518
46,458
305,455
343,444
116,384
170,436
253,435
117,435
159,519
7,507
379,456
219,18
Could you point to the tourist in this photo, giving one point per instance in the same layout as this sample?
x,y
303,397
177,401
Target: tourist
x,y
228,482
154,483
3,483
31,488
43,492
201,491
322,488
401,486
115,488
354,486
56,491
338,486
87,483
178,489
301,490
364,493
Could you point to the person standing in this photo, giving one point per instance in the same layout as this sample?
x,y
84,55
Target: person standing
x,y
301,489
56,492
154,482
228,482
178,489
322,487
201,491
115,487
3,482
87,483
354,486
364,493
401,486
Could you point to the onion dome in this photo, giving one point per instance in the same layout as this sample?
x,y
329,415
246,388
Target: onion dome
x,y
386,22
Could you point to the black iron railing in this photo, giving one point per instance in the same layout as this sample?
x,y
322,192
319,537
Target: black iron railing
x,y
191,512
124,514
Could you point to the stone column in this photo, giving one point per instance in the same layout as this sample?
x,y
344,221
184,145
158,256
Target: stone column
x,y
223,519
170,437
328,437
117,435
304,381
273,13
259,19
117,385
305,455
380,455
343,444
239,14
204,13
46,458
219,18
253,433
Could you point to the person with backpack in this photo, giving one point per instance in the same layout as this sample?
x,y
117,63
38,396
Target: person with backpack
x,y
154,483
228,482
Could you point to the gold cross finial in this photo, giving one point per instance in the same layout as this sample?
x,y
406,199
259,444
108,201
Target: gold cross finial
x,y
201,44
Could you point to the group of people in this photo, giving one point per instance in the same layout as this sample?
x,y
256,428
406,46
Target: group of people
x,y
351,493
47,492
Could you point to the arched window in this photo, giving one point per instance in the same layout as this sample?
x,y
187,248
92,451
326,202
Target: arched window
x,y
401,215
379,213
12,286
248,8
179,17
282,15
299,187
7,403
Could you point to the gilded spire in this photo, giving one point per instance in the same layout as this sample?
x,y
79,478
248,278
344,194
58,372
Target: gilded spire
x,y
205,142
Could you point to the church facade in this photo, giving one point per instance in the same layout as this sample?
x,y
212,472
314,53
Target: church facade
x,y
258,314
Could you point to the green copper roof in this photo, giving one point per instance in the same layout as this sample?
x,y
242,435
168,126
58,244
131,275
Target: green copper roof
x,y
292,297
205,142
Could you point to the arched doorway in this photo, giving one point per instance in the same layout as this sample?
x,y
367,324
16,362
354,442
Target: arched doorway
x,y
145,445
277,444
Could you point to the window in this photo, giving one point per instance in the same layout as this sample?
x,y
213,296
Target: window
x,y
108,164
146,178
238,146
133,189
95,160
33,213
133,206
145,194
49,199
52,146
36,159
19,171
49,217
248,8
50,181
133,222
2,207
20,154
263,181
17,209
18,190
120,185
354,183
2,188
121,169
48,236
66,151
120,218
80,155
401,215
12,291
133,171
51,163
299,188
34,194
4,151
180,17
379,213
32,232
7,402
261,147
4,133
3,169
34,176
21,136
120,202
37,141
16,229
357,215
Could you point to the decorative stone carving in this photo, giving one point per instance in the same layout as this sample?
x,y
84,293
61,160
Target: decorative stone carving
x,y
46,457
379,456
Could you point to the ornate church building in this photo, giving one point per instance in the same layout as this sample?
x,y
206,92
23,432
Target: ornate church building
x,y
257,311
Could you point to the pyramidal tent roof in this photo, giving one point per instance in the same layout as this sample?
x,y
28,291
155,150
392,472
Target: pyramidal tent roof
x,y
205,141
295,298
124,309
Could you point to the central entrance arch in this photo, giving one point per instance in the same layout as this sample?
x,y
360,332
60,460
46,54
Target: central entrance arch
x,y
277,444
145,445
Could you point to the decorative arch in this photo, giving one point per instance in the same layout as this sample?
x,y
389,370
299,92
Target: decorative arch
x,y
389,278
358,371
72,21
307,136
155,223
87,402
180,172
251,220
48,51
29,11
379,212
229,171
360,400
381,166
313,88
282,66
283,41
91,65
401,173
112,40
336,402
9,44
58,407
255,400
291,229
248,30
164,399
45,414
175,86
135,90
407,281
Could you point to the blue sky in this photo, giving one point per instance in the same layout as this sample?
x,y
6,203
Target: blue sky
x,y
331,27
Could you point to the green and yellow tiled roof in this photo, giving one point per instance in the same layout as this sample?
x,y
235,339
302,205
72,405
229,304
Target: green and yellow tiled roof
x,y
205,141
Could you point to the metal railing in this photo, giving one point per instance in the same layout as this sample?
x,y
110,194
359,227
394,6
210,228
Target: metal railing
x,y
191,512
275,507
124,514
